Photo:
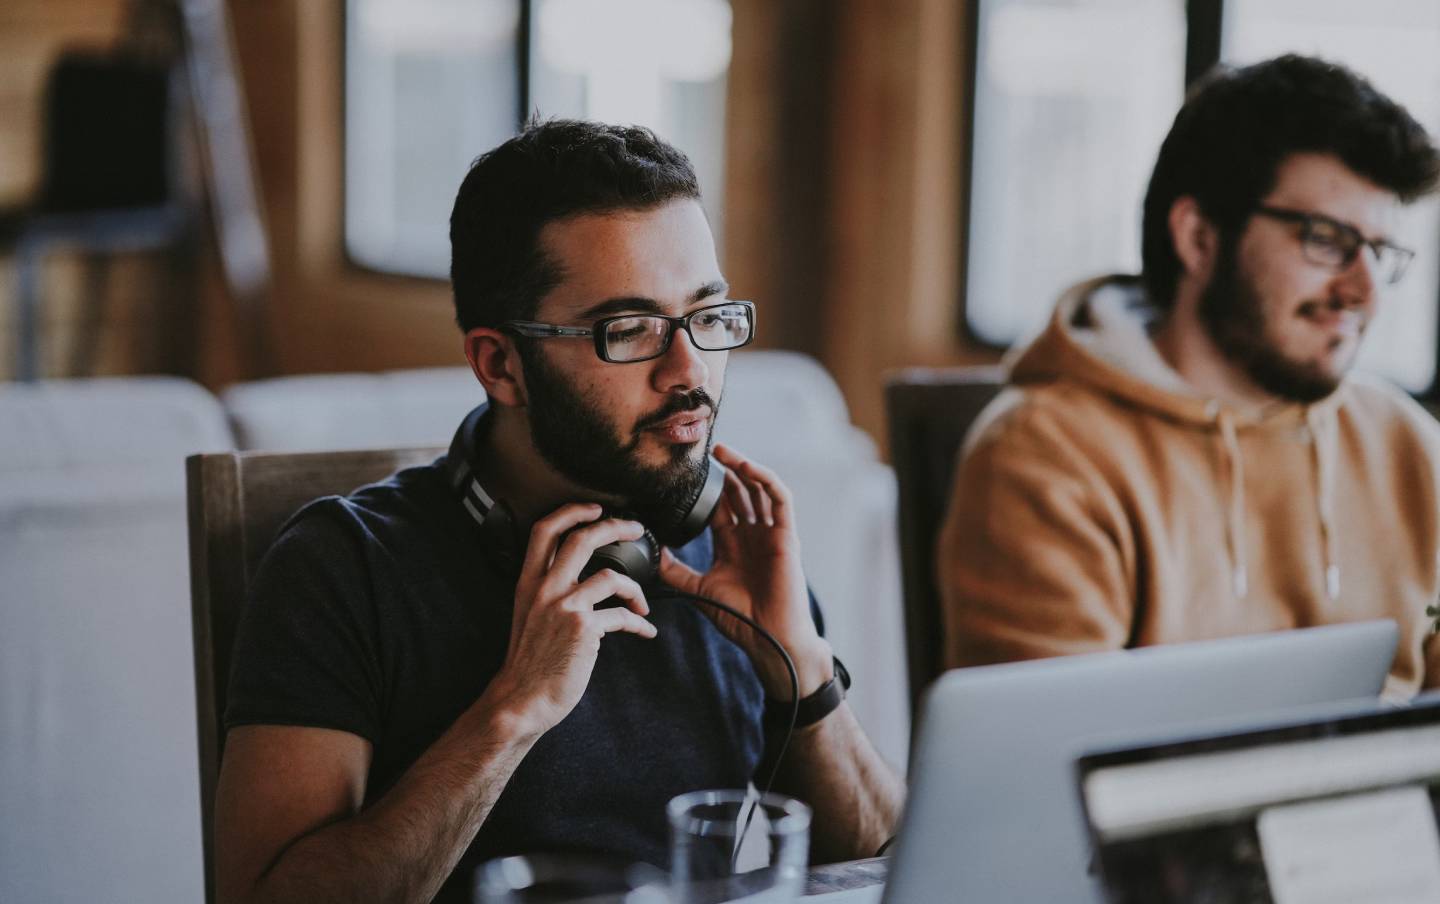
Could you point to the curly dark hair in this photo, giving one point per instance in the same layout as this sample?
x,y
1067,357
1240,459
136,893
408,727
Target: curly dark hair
x,y
551,170
1239,125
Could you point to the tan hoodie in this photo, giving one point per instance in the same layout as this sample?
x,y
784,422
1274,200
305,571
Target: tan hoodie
x,y
1102,503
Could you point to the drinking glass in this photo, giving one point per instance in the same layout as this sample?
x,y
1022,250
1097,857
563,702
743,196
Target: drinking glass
x,y
737,846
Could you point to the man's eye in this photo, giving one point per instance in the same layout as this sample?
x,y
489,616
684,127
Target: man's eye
x,y
628,333
709,319
1326,234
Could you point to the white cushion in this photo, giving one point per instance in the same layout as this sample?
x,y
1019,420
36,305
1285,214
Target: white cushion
x,y
778,403
317,412
99,776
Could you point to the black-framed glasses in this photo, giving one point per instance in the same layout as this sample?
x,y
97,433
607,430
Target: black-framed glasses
x,y
639,337
1331,243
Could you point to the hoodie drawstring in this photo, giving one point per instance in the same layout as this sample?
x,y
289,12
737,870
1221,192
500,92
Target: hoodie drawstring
x,y
1321,440
1235,520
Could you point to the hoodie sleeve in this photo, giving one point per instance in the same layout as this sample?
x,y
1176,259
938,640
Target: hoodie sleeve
x,y
1035,557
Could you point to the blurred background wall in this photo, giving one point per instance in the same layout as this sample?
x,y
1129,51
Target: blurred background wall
x,y
841,197
897,182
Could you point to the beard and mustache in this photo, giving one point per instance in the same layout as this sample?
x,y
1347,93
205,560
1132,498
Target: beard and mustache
x,y
1233,314
576,438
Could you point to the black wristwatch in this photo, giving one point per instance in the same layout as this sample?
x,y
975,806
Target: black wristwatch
x,y
824,701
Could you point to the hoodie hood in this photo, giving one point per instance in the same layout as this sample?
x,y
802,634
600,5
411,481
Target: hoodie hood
x,y
1100,335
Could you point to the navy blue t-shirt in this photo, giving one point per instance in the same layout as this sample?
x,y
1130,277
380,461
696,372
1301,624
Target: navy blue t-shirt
x,y
381,615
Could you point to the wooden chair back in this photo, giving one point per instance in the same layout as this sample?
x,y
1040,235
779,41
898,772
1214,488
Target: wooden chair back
x,y
928,411
238,502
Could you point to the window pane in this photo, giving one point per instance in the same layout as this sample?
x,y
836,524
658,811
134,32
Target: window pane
x,y
656,63
1072,100
429,85
1395,44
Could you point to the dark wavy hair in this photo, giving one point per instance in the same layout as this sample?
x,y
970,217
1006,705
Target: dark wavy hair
x,y
1238,125
551,170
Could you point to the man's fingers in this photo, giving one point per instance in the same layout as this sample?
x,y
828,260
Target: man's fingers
x,y
606,584
677,574
576,548
723,530
738,497
545,536
755,497
776,493
609,620
760,499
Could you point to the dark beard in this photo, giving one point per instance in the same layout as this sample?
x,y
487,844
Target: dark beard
x,y
1232,314
578,440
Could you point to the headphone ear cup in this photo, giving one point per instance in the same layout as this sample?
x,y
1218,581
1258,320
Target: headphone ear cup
x,y
637,559
686,519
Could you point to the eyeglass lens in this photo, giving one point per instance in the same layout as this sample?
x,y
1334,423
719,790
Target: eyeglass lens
x,y
645,336
1326,245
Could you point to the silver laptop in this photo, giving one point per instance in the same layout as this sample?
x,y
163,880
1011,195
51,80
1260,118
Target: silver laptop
x,y
992,814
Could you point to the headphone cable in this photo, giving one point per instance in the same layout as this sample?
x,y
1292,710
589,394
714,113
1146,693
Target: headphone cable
x,y
794,698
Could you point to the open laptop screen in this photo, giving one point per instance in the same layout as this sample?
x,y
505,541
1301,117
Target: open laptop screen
x,y
1333,809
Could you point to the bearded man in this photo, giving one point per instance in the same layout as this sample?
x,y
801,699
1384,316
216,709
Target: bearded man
x,y
433,671
1186,455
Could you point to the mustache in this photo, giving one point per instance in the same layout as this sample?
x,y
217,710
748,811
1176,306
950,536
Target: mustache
x,y
677,404
1332,304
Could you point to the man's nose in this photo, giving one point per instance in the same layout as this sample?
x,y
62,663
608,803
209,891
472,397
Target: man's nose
x,y
1358,280
682,367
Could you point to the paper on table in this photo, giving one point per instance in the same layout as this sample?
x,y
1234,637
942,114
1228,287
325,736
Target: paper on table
x,y
1380,846
870,894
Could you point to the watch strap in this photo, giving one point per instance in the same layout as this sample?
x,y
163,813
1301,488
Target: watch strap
x,y
822,702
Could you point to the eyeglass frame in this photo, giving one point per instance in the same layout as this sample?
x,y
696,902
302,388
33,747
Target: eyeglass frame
x,y
1357,240
533,329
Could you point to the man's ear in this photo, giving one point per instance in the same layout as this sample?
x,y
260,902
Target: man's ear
x,y
496,364
1195,238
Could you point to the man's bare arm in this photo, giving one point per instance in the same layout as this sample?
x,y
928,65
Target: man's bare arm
x,y
856,795
289,820
289,823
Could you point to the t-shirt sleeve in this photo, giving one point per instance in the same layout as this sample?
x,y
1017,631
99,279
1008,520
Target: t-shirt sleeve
x,y
306,646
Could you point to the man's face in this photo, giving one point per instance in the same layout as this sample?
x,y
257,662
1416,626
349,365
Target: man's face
x,y
1292,326
637,431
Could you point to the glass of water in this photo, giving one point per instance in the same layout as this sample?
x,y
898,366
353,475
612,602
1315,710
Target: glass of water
x,y
737,846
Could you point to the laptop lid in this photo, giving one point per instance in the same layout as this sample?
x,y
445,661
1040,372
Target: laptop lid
x,y
992,813
1338,805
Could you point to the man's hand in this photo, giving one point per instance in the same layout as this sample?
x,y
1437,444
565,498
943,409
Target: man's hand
x,y
556,632
757,572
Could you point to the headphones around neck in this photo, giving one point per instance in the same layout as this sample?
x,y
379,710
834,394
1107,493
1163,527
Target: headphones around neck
x,y
639,559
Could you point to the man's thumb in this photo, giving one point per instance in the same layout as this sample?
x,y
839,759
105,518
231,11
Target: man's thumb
x,y
677,574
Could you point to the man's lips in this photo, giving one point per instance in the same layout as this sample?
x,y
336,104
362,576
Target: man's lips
x,y
1342,321
683,427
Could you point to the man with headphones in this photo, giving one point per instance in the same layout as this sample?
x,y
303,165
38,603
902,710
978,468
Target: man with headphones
x,y
494,654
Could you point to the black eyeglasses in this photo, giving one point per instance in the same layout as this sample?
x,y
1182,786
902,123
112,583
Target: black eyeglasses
x,y
1331,243
640,337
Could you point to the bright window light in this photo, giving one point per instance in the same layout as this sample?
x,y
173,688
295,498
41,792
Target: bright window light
x,y
656,63
1071,103
431,84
